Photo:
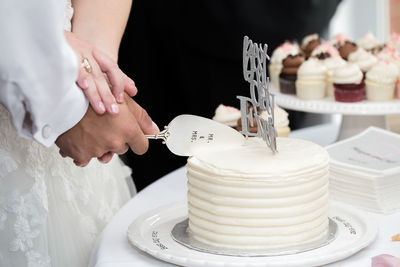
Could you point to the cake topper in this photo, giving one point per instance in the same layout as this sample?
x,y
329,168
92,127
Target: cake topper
x,y
255,73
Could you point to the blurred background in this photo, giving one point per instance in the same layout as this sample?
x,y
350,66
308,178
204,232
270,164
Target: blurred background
x,y
186,56
357,17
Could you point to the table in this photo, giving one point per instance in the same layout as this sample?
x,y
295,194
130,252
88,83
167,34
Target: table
x,y
113,249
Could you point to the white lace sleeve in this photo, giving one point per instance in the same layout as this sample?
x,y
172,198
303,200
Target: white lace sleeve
x,y
50,210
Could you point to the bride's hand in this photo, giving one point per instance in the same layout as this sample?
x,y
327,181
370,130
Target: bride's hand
x,y
102,81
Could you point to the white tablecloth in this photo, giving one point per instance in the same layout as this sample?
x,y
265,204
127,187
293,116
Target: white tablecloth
x,y
114,250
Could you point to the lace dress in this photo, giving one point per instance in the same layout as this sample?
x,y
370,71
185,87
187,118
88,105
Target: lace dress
x,y
50,210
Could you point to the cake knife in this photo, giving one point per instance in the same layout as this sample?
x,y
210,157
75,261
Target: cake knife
x,y
188,135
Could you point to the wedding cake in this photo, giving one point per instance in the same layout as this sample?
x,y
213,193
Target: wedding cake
x,y
250,198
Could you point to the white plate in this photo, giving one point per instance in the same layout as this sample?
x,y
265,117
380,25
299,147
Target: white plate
x,y
329,105
151,233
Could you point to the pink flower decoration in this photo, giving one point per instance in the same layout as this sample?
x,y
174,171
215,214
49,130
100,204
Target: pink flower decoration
x,y
340,38
286,46
384,60
230,109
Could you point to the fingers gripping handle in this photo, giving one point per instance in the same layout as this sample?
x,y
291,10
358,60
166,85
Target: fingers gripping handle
x,y
163,135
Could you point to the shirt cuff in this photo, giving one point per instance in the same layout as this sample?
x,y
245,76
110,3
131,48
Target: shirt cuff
x,y
69,111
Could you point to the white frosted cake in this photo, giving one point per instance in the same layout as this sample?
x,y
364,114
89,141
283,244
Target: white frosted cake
x,y
248,198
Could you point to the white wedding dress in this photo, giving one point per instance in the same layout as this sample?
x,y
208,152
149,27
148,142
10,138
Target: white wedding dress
x,y
50,210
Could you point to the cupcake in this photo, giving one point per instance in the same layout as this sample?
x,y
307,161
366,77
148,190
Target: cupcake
x,y
391,54
279,54
311,80
281,122
332,63
252,128
288,75
394,41
380,82
376,50
227,115
339,39
346,48
368,42
309,43
365,60
348,83
325,50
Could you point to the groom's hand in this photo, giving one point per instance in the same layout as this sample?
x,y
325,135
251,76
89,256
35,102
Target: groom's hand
x,y
102,135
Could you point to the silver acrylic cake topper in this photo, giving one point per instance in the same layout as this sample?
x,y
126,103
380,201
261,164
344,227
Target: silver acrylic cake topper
x,y
188,135
255,73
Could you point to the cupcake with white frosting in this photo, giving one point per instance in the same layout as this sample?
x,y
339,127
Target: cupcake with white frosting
x,y
339,39
390,54
331,59
380,82
368,42
348,83
311,80
394,40
365,60
279,54
281,121
332,63
227,115
325,50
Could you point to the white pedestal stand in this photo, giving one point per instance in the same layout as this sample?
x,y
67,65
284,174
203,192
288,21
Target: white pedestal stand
x,y
354,124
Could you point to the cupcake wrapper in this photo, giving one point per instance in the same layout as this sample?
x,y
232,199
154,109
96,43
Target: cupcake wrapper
x,y
310,90
274,76
329,87
349,92
283,131
379,91
287,83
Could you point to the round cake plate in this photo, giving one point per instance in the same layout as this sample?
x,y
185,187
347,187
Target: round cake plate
x,y
151,233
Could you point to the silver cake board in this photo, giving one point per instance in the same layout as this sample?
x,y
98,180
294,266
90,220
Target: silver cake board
x,y
182,235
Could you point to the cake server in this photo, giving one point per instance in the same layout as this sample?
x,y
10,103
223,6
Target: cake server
x,y
187,135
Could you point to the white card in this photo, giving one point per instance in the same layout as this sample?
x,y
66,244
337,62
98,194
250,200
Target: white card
x,y
374,149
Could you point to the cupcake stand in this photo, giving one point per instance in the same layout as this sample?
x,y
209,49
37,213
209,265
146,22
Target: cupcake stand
x,y
356,117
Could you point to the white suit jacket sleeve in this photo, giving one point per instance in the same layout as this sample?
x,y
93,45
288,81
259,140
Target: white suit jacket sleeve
x,y
38,70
